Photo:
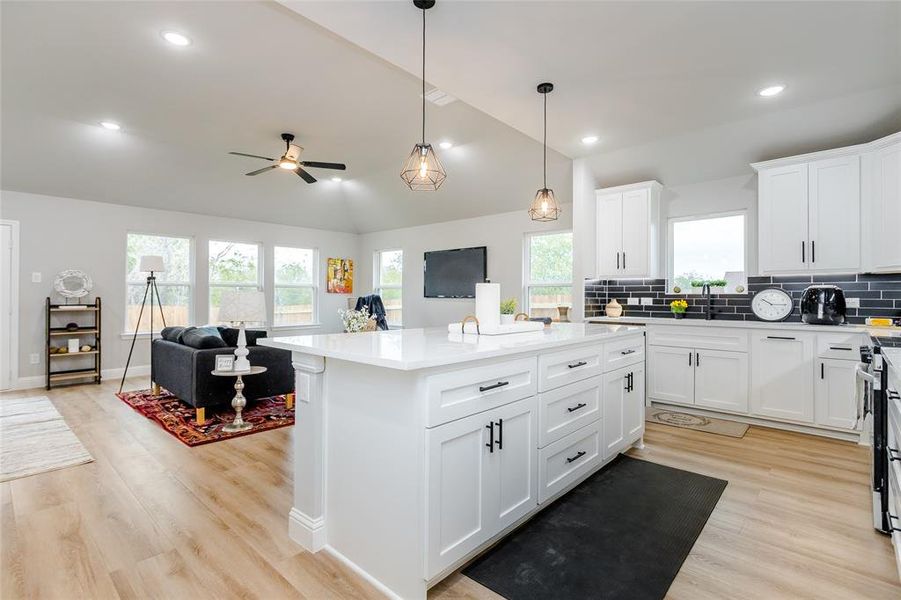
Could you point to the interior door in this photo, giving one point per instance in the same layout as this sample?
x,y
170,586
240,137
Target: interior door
x,y
836,393
721,380
513,466
834,208
783,219
6,341
459,490
782,376
610,234
614,417
633,409
671,376
636,216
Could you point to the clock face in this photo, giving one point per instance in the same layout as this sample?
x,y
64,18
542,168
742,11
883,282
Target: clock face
x,y
772,304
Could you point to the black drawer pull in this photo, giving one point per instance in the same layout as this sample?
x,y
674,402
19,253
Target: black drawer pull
x,y
893,395
840,348
891,518
493,386
581,363
577,407
778,337
625,352
892,452
578,455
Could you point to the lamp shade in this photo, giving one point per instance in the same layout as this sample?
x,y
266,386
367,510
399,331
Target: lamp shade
x,y
422,170
151,263
244,306
544,206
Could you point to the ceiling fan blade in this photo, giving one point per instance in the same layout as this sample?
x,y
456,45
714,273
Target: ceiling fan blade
x,y
323,165
305,176
251,155
263,170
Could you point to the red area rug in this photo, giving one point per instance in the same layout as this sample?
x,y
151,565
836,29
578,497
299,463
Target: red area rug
x,y
178,418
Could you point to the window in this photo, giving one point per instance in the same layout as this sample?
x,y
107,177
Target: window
x,y
549,273
233,266
389,277
173,284
295,286
708,248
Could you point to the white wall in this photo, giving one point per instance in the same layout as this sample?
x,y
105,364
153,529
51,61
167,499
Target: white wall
x,y
503,234
64,233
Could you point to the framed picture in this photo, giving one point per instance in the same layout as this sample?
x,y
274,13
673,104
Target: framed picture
x,y
340,277
225,362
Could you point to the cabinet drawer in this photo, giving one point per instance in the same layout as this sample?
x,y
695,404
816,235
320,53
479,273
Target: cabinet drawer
x,y
707,338
840,345
568,366
894,419
564,461
465,392
568,408
622,353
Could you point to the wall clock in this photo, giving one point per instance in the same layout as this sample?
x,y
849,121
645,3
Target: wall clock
x,y
772,304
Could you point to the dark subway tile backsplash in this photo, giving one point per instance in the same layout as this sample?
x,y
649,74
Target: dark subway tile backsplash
x,y
879,296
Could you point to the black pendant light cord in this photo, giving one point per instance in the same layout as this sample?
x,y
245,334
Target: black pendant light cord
x,y
423,77
545,141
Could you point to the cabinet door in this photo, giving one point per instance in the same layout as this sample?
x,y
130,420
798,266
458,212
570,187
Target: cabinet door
x,y
459,489
836,393
513,466
671,376
633,409
886,213
615,384
636,223
834,208
721,380
610,234
782,376
782,198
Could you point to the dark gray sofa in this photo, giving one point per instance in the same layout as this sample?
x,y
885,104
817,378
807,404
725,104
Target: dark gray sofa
x,y
186,372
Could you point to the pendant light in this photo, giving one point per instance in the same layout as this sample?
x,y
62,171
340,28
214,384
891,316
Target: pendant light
x,y
422,170
544,206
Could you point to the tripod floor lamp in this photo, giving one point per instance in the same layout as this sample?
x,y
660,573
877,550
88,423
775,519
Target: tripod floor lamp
x,y
152,265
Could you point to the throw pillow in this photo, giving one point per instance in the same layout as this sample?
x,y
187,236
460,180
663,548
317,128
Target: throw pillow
x,y
171,334
203,338
230,335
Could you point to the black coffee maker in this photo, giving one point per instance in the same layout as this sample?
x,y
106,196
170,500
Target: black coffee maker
x,y
823,305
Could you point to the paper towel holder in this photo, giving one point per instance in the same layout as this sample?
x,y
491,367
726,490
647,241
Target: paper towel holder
x,y
466,320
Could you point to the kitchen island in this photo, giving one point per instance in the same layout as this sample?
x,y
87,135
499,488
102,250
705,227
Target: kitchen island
x,y
416,449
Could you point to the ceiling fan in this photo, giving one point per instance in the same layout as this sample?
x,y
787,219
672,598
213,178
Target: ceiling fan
x,y
290,161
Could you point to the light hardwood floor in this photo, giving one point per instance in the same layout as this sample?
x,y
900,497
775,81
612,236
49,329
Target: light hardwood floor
x,y
151,518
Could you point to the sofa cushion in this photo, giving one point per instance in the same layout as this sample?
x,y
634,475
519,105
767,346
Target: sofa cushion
x,y
171,334
202,338
230,335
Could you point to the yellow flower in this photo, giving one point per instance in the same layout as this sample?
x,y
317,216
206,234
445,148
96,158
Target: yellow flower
x,y
678,305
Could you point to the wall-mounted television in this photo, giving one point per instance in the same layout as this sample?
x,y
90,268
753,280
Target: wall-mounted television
x,y
454,273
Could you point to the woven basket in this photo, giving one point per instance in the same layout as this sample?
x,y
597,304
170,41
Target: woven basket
x,y
370,326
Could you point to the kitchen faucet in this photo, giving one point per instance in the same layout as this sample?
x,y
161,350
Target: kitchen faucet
x,y
708,305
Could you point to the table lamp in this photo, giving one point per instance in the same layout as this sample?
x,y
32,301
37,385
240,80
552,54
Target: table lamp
x,y
242,307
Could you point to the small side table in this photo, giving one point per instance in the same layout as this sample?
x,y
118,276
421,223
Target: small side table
x,y
239,401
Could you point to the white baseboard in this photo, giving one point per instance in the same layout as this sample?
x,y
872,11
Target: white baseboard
x,y
375,582
309,533
40,381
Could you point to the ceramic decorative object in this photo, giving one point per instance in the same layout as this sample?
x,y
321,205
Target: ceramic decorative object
x,y
73,283
506,319
86,348
614,309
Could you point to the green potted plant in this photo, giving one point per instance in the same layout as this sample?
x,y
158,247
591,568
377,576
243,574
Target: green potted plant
x,y
508,309
678,307
717,286
697,284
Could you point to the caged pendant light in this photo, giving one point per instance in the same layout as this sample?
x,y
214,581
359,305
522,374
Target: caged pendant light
x,y
422,170
544,206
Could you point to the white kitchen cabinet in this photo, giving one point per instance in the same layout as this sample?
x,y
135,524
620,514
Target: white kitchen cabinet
x,y
628,227
624,401
671,374
721,380
782,375
836,393
882,205
809,215
483,476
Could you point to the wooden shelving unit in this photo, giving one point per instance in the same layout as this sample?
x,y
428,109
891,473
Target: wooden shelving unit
x,y
55,333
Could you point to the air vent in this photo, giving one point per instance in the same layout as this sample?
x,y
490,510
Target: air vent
x,y
439,98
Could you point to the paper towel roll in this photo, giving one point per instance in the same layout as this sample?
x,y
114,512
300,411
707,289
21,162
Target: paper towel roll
x,y
488,305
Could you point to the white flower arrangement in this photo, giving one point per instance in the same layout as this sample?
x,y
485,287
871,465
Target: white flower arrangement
x,y
354,320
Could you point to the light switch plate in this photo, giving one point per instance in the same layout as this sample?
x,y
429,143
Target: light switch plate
x,y
36,277
630,301
646,301
852,302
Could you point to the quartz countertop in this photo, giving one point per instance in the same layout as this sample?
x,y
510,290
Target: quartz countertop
x,y
410,349
782,325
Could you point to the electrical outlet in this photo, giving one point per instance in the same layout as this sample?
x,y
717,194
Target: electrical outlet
x,y
852,302
34,359
36,277
646,301
630,301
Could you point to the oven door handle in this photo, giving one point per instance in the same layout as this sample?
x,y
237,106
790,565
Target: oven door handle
x,y
865,383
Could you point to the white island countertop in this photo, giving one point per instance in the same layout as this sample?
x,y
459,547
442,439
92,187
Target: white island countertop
x,y
410,349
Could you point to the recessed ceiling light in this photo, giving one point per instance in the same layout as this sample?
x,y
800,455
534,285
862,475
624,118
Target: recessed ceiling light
x,y
446,145
111,125
589,140
336,179
772,90
175,38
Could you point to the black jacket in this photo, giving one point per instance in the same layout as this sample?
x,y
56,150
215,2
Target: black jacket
x,y
373,303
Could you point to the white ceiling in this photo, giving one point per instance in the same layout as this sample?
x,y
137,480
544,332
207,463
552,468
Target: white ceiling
x,y
651,79
253,71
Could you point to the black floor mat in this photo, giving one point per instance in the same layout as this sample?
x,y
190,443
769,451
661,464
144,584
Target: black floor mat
x,y
623,533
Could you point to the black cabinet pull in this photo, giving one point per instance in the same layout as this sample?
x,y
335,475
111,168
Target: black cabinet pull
x,y
624,259
778,337
500,434
490,444
581,363
697,359
891,452
840,348
689,357
617,260
577,407
813,251
822,370
803,259
578,455
494,386
625,352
